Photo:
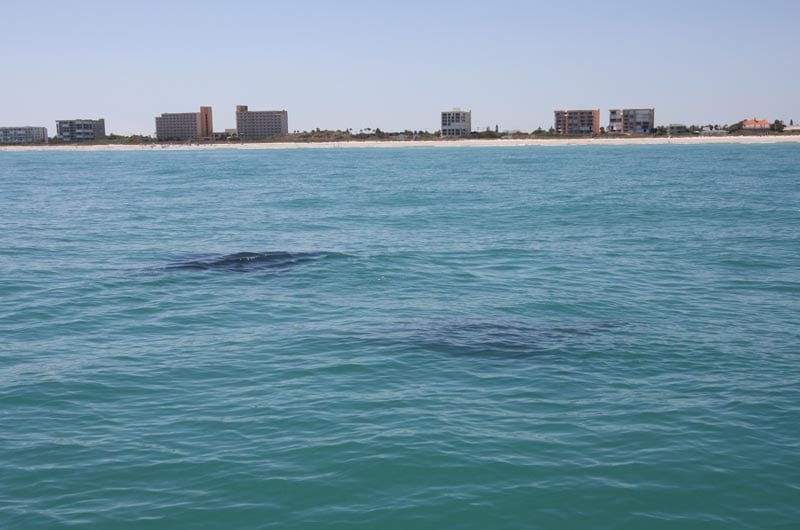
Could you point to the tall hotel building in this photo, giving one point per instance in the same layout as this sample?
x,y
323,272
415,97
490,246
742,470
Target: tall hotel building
x,y
457,122
80,130
256,124
631,121
23,135
575,122
185,125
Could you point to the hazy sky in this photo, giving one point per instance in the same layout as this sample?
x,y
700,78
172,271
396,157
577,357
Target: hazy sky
x,y
396,65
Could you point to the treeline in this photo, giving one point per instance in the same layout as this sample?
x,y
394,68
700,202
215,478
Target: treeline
x,y
114,139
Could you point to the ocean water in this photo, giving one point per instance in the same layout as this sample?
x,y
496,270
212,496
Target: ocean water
x,y
522,337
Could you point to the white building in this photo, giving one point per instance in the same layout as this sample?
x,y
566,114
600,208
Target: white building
x,y
457,122
23,135
256,124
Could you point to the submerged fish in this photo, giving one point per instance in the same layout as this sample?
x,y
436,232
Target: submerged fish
x,y
501,339
246,261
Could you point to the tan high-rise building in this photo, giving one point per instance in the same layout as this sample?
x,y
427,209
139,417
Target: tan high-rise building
x,y
257,124
185,125
576,122
206,123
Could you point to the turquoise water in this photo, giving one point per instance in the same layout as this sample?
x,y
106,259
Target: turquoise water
x,y
559,337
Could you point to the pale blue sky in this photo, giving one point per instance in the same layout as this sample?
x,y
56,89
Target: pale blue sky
x,y
396,65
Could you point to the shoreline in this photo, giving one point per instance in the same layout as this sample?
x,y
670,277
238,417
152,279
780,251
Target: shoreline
x,y
527,142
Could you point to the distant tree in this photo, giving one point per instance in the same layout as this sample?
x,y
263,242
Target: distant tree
x,y
777,126
791,122
602,130
736,127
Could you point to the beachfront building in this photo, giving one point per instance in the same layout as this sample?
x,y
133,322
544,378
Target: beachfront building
x,y
456,122
80,130
23,135
713,130
257,124
576,122
755,125
631,121
677,128
185,125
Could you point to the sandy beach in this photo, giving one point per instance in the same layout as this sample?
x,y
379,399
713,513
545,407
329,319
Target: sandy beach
x,y
550,142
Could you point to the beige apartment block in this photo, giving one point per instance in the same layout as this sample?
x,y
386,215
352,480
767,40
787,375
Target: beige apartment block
x,y
577,122
185,125
259,124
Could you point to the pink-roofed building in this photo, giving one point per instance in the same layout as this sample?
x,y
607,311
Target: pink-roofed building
x,y
755,125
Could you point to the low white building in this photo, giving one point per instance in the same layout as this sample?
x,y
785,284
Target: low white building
x,y
712,131
23,135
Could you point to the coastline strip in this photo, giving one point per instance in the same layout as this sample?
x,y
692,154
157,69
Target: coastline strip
x,y
528,142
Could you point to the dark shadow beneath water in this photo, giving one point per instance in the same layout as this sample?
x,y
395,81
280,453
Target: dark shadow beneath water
x,y
503,340
246,261
500,339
